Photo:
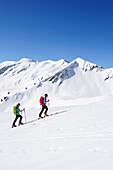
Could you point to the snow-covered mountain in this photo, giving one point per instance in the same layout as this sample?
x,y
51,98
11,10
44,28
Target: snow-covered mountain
x,y
28,79
79,137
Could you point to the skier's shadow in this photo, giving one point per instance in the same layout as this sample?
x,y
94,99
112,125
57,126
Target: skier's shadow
x,y
62,111
48,116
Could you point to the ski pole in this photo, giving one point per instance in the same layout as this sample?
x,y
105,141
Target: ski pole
x,y
25,116
49,107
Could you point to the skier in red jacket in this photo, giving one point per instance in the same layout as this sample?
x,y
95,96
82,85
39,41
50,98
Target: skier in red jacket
x,y
43,101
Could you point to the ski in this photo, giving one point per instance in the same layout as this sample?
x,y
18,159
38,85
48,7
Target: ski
x,y
48,115
36,120
18,125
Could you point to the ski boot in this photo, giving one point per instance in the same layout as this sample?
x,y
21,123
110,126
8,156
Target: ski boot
x,y
20,124
14,126
40,117
45,115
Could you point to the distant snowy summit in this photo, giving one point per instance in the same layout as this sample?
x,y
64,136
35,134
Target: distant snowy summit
x,y
78,78
11,66
54,69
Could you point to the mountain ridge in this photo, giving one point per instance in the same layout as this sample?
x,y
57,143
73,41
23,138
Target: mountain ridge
x,y
60,78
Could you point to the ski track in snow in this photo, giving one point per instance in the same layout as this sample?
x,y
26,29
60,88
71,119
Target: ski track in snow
x,y
74,138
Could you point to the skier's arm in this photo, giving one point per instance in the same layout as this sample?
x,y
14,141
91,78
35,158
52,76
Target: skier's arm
x,y
21,110
46,101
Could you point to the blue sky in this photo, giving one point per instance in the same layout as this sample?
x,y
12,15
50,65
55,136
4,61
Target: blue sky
x,y
56,29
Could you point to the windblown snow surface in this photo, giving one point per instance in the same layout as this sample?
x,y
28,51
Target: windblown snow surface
x,y
79,137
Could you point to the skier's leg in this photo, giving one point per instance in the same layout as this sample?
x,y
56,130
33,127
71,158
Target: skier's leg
x,y
20,122
15,120
41,111
46,109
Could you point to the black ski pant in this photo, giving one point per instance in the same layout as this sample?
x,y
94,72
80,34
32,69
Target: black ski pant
x,y
43,108
17,116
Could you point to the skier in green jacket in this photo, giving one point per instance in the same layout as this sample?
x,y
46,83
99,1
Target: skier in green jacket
x,y
16,111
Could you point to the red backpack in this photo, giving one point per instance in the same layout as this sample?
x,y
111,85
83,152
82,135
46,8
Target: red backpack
x,y
41,100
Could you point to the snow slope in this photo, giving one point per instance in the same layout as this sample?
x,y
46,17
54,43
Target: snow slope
x,y
79,137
